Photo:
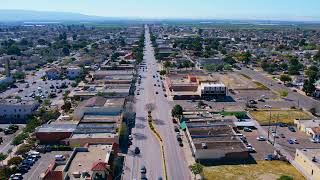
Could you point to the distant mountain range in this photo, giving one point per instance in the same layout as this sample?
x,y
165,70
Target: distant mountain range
x,y
21,16
26,15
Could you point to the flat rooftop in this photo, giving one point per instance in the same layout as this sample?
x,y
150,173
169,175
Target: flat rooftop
x,y
83,161
57,128
93,135
311,153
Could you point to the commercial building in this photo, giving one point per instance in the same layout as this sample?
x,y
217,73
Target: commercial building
x,y
16,110
311,127
73,72
189,86
90,162
215,142
53,73
54,133
309,162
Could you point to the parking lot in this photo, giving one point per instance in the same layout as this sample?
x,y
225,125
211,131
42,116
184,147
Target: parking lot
x,y
263,148
42,164
35,86
302,138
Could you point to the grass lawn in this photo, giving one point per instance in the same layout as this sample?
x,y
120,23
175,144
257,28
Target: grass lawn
x,y
263,170
284,116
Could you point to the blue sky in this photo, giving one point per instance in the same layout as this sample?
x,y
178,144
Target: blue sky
x,y
221,9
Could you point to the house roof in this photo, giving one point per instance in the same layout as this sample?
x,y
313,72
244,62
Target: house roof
x,y
99,166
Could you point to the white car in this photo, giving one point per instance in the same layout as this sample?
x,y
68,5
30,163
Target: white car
x,y
59,157
261,138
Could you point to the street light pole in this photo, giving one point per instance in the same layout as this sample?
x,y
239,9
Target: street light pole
x,y
269,122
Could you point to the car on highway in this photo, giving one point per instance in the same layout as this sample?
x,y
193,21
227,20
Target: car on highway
x,y
180,143
143,170
174,120
137,150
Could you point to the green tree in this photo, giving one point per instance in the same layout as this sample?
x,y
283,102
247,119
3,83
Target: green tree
x,y
312,73
66,51
177,111
196,168
23,149
285,177
15,161
308,87
2,157
66,106
294,66
162,73
285,78
14,50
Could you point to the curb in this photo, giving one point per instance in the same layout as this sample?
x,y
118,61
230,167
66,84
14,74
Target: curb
x,y
157,135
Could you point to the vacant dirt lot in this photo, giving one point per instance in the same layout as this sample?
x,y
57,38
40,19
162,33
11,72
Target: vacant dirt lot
x,y
237,81
284,116
263,170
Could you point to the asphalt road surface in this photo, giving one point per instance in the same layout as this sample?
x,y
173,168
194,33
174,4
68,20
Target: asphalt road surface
x,y
299,99
150,155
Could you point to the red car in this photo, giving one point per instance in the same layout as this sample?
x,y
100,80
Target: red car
x,y
174,120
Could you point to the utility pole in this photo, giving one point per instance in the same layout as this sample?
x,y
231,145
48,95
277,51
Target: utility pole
x,y
274,138
269,122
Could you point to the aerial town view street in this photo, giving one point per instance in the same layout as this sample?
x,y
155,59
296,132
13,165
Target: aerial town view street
x,y
139,91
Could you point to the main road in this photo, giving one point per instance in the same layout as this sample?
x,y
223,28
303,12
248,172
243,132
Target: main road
x,y
150,157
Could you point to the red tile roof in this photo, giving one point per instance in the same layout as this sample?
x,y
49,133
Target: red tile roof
x,y
99,166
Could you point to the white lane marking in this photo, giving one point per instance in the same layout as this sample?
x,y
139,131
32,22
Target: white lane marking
x,y
34,172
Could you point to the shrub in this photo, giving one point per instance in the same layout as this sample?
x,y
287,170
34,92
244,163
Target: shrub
x,y
15,161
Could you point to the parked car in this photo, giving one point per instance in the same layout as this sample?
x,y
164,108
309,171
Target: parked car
x,y
130,137
261,138
59,157
275,135
8,131
282,124
246,129
291,128
290,141
282,135
137,150
251,149
270,157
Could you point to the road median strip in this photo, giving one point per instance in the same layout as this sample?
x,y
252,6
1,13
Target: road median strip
x,y
157,135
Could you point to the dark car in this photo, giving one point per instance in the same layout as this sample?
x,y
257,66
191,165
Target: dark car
x,y
22,170
282,124
137,150
8,131
291,128
143,170
157,92
180,143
